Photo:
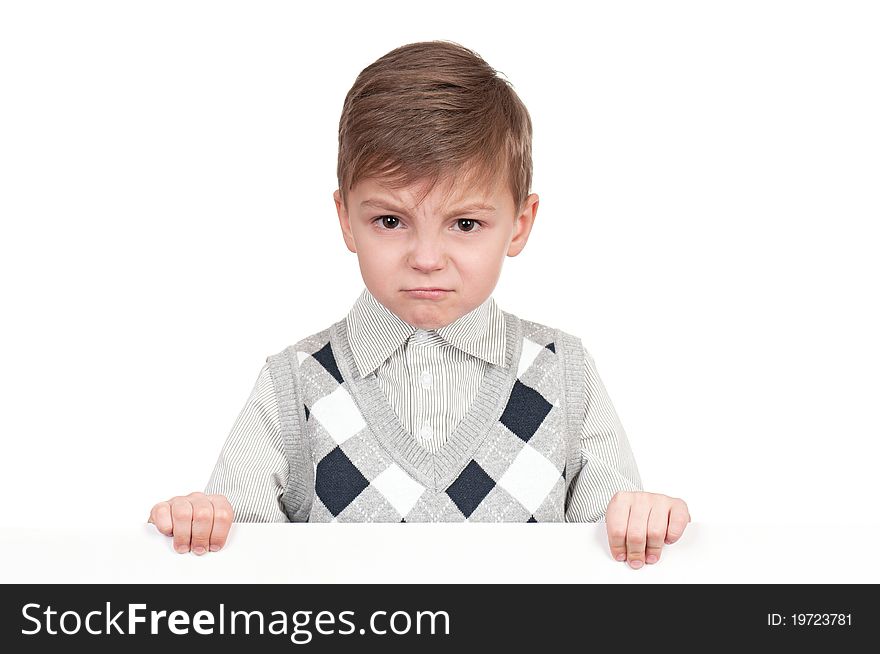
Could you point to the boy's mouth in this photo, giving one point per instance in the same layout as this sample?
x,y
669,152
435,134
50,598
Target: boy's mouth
x,y
427,293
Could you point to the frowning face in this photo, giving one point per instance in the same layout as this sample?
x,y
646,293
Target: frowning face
x,y
454,242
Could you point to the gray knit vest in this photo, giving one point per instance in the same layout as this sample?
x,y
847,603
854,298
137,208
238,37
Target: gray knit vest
x,y
510,459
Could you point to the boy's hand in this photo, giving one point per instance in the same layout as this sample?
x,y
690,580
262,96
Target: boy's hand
x,y
197,520
640,523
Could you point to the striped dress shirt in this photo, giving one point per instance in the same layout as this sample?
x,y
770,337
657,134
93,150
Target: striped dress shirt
x,y
429,377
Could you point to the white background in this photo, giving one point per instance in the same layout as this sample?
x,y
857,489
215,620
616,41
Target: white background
x,y
708,180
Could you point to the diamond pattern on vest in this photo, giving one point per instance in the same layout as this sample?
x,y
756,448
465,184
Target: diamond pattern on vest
x,y
525,411
517,474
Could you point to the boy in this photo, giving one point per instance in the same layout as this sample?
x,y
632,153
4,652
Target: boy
x,y
427,402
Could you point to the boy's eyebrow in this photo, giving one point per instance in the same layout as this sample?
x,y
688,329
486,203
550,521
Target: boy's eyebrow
x,y
471,207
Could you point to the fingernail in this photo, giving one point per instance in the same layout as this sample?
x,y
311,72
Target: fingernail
x,y
182,548
198,549
621,556
215,548
651,558
636,563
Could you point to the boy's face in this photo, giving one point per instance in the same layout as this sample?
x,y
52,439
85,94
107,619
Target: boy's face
x,y
446,242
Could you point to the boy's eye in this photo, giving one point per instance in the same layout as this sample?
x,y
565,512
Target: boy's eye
x,y
393,220
467,224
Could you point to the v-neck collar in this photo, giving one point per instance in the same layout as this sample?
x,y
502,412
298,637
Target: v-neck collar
x,y
432,470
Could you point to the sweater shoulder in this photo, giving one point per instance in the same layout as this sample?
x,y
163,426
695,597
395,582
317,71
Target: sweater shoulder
x,y
305,346
546,335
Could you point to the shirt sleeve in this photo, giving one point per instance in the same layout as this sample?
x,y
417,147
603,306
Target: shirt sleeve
x,y
607,462
252,468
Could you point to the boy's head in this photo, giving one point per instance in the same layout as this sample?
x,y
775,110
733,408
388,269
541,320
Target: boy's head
x,y
434,173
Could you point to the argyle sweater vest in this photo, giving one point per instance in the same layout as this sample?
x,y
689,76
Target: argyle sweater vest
x,y
511,458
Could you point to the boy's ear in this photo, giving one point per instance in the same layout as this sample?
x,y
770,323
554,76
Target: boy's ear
x,y
523,225
344,222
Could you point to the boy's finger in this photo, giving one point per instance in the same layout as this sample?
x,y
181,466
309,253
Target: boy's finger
x,y
658,521
637,531
616,518
223,516
181,514
161,517
678,519
202,523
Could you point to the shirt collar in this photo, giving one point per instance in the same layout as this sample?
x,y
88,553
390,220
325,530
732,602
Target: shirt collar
x,y
375,332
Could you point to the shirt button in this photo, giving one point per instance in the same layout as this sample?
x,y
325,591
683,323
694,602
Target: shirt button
x,y
427,431
420,336
426,379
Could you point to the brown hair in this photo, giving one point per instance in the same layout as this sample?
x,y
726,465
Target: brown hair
x,y
434,110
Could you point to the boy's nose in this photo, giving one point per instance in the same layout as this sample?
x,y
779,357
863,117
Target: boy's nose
x,y
427,254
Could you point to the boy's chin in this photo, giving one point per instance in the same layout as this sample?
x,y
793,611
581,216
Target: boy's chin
x,y
427,319
428,324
